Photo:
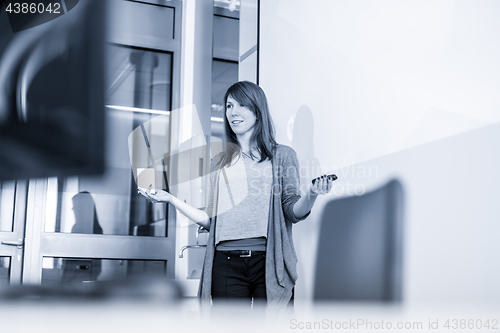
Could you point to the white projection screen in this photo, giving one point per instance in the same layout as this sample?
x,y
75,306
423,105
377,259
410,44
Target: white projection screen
x,y
355,80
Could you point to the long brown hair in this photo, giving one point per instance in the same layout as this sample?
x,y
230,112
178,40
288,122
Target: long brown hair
x,y
263,138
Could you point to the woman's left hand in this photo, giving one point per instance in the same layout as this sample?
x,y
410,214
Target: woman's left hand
x,y
322,185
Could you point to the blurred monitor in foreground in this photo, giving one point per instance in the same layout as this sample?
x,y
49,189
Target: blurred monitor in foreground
x,y
360,247
51,95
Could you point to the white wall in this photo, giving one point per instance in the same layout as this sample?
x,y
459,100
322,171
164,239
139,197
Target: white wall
x,y
406,89
386,74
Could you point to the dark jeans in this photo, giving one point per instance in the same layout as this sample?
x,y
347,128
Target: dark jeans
x,y
239,278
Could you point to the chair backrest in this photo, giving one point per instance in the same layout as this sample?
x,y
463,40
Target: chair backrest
x,y
360,247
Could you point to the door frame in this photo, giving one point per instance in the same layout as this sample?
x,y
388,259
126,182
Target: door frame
x,y
40,244
16,253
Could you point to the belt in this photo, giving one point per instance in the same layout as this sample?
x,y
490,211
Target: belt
x,y
242,253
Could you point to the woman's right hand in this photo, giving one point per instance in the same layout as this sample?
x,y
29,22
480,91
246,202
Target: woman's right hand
x,y
159,196
192,213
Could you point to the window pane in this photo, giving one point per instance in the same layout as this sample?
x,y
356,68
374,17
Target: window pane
x,y
7,194
4,270
139,78
141,22
102,205
224,74
56,271
226,38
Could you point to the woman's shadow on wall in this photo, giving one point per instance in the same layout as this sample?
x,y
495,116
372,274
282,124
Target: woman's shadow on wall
x,y
302,141
303,144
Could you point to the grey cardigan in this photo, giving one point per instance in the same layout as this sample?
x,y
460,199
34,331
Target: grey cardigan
x,y
281,259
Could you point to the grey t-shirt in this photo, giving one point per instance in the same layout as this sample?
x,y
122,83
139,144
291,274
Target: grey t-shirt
x,y
248,191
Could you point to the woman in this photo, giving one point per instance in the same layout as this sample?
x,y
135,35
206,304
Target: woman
x,y
254,200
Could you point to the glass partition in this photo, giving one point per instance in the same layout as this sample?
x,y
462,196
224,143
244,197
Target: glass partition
x,y
4,270
139,88
56,271
139,78
7,195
